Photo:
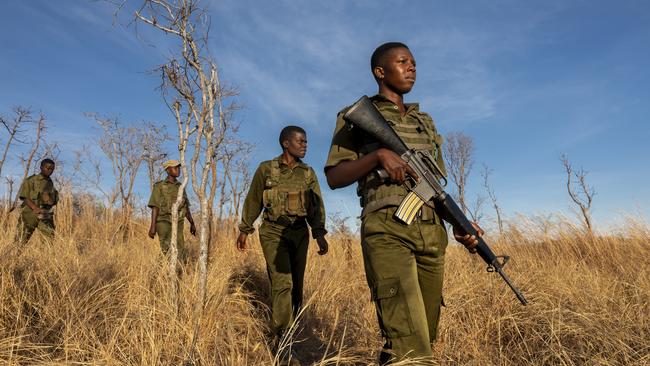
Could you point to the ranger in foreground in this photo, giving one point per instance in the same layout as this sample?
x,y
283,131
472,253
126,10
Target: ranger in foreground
x,y
404,264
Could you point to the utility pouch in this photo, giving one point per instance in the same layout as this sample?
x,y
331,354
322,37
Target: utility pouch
x,y
296,203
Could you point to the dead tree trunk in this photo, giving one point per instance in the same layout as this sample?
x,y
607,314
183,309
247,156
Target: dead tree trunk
x,y
193,90
27,161
123,146
493,198
153,139
582,195
458,159
14,128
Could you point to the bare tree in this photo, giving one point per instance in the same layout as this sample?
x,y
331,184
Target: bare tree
x,y
238,185
122,145
193,91
459,149
88,169
49,150
223,197
234,161
15,128
229,153
11,204
53,151
340,229
36,145
153,138
580,192
475,208
27,160
485,173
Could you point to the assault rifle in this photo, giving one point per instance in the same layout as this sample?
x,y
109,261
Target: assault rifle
x,y
365,115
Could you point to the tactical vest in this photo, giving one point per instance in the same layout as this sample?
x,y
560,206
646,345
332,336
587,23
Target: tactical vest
x,y
49,196
288,197
168,194
376,193
43,193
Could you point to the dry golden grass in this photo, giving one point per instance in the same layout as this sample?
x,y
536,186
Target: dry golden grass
x,y
89,299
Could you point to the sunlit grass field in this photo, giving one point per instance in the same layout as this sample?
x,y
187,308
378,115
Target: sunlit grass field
x,y
90,298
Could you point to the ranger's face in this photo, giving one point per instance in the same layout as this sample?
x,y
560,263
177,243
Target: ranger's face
x,y
174,171
397,70
296,144
47,169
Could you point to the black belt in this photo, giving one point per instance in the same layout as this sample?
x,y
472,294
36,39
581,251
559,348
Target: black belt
x,y
290,221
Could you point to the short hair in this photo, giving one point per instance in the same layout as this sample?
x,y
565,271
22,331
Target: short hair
x,y
47,161
380,51
286,133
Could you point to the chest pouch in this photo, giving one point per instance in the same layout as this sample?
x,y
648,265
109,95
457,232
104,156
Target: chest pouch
x,y
46,199
283,197
47,195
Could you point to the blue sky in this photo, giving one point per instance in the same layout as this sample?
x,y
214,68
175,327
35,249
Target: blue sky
x,y
527,80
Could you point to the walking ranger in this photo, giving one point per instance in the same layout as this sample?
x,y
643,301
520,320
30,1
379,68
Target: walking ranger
x,y
39,198
286,191
162,198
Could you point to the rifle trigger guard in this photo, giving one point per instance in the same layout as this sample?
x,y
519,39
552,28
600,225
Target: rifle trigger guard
x,y
500,264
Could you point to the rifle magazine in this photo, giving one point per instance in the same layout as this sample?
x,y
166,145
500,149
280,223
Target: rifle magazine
x,y
409,208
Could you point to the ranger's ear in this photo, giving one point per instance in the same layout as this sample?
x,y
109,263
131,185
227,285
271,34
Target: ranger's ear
x,y
285,144
378,71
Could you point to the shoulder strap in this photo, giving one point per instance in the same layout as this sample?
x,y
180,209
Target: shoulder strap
x,y
275,170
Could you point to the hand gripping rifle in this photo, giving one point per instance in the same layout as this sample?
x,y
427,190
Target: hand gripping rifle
x,y
365,115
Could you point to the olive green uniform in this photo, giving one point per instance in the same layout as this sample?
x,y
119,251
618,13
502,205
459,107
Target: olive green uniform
x,y
290,198
163,196
404,264
40,189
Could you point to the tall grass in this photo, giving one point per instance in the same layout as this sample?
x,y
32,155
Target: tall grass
x,y
90,298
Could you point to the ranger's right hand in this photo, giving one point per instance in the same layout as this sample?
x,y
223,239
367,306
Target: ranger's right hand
x,y
241,242
152,232
395,166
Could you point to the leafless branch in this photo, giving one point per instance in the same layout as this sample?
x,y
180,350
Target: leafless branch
x,y
459,149
485,173
582,195
15,128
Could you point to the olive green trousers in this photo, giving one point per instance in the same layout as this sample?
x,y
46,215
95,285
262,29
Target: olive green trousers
x,y
285,250
28,222
164,231
404,268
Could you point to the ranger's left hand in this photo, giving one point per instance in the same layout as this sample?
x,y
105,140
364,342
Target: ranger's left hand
x,y
193,229
322,245
469,241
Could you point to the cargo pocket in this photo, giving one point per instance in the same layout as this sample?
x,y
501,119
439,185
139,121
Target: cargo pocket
x,y
392,308
293,202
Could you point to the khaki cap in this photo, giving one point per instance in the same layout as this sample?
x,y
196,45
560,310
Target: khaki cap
x,y
171,163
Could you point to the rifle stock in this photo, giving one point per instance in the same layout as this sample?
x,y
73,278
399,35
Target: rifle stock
x,y
365,115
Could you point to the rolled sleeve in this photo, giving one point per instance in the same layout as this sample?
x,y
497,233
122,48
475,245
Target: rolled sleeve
x,y
344,144
25,189
253,203
154,199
